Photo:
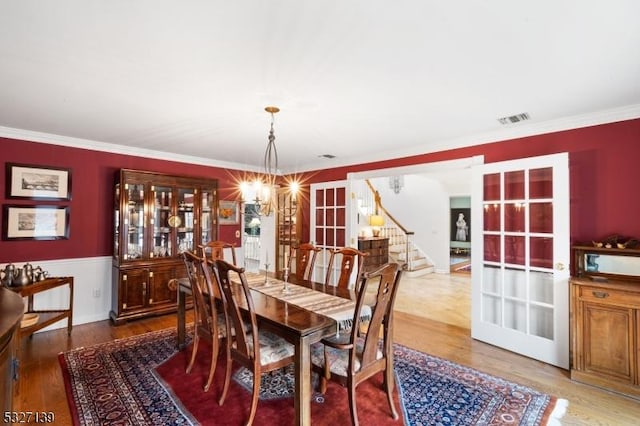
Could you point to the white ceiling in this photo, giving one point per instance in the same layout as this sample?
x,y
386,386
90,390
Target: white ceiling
x,y
361,80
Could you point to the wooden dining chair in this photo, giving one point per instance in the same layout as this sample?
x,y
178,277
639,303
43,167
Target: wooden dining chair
x,y
258,350
351,260
215,250
353,357
208,322
305,257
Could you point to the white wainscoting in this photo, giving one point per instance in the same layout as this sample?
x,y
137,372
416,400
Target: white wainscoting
x,y
91,288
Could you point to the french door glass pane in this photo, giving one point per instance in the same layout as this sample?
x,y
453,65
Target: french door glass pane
x,y
541,217
514,185
541,249
492,248
319,217
491,187
515,285
514,249
330,200
515,315
492,213
542,321
514,217
541,287
340,196
541,183
330,217
491,309
492,281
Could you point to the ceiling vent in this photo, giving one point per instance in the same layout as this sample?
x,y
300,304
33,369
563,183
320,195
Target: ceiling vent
x,y
515,118
329,156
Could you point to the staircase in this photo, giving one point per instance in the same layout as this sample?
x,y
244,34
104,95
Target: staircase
x,y
418,264
401,248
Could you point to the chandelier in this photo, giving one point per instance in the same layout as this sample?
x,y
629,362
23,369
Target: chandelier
x,y
396,183
266,187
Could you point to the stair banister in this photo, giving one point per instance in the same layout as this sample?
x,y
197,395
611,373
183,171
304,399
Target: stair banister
x,y
378,205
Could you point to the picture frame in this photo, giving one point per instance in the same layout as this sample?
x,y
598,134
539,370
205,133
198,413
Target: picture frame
x,y
40,222
34,182
229,213
461,232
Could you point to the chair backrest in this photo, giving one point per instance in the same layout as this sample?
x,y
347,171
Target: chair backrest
x,y
305,256
215,250
386,278
232,297
201,289
350,260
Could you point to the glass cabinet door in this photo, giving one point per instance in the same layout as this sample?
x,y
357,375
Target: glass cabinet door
x,y
185,231
161,221
116,222
134,219
206,216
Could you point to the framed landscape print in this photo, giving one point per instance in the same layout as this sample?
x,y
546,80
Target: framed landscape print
x,y
35,223
38,182
228,213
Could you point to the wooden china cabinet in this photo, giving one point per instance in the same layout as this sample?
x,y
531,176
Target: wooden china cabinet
x,y
156,217
605,319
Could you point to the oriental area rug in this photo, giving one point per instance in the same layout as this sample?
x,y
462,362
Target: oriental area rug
x,y
141,380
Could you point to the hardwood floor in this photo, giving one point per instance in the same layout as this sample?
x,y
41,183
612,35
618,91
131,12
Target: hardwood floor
x,y
430,316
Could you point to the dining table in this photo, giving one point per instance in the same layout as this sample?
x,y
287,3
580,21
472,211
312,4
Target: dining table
x,y
298,325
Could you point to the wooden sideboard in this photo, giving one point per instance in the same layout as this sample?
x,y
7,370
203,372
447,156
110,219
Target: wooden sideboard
x,y
605,325
46,317
11,307
378,249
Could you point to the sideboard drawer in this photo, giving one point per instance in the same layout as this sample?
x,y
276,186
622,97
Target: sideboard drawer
x,y
609,296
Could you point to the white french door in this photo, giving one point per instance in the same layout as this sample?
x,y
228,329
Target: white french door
x,y
329,223
520,256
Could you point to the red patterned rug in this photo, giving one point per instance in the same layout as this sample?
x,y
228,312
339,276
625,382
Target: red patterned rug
x,y
141,381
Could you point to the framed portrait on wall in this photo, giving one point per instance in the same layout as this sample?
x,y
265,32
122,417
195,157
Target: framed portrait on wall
x,y
461,225
37,182
229,213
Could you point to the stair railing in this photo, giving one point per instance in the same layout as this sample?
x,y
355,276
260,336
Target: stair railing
x,y
407,233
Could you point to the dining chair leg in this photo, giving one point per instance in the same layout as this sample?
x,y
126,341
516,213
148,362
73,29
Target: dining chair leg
x,y
352,403
214,362
227,377
255,396
194,351
388,385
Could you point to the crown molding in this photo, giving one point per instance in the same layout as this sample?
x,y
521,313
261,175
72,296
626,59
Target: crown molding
x,y
515,131
52,139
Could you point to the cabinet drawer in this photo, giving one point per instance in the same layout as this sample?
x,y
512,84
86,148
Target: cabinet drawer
x,y
609,296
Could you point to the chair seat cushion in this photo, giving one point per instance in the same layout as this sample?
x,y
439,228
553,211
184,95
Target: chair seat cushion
x,y
273,348
338,358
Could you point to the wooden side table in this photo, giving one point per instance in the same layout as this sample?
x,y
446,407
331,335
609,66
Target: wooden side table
x,y
45,317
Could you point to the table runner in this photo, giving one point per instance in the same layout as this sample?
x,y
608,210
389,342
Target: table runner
x,y
334,307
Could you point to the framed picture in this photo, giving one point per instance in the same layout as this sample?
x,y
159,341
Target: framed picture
x,y
35,223
461,225
38,182
229,213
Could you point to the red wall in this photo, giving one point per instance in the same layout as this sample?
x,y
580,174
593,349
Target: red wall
x,y
91,206
603,163
604,178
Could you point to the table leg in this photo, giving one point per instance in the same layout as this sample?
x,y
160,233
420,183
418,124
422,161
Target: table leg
x,y
302,401
181,319
70,318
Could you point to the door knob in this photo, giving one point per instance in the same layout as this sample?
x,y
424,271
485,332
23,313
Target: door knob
x,y
560,266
